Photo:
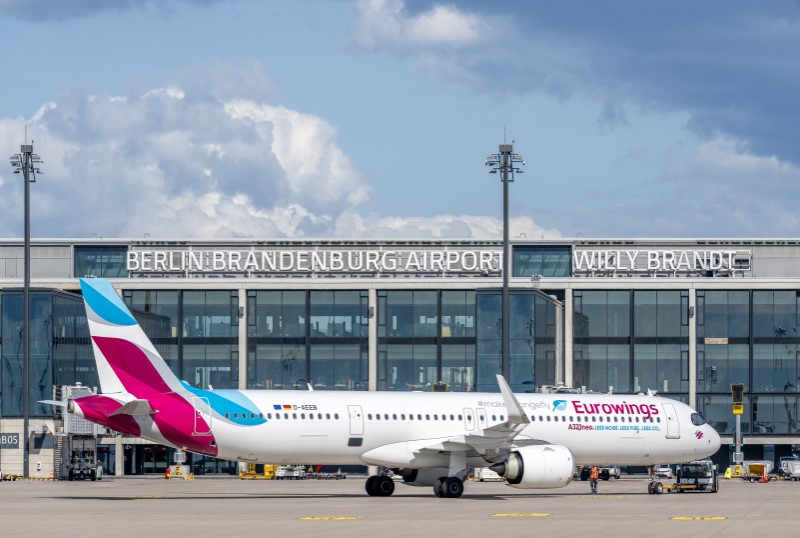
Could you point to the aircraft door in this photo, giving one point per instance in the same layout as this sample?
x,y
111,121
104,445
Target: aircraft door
x,y
673,426
469,419
202,416
356,420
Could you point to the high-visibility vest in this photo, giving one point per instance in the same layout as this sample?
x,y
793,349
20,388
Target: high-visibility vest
x,y
594,473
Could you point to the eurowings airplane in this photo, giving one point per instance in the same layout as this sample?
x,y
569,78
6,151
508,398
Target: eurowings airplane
x,y
430,439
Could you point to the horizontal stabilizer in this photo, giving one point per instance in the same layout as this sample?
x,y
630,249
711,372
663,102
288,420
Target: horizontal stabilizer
x,y
57,403
135,408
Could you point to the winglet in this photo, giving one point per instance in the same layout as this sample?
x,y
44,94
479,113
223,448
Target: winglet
x,y
516,415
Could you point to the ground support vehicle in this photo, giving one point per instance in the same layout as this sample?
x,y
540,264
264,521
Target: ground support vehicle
x,y
700,475
255,471
791,470
290,472
84,469
757,471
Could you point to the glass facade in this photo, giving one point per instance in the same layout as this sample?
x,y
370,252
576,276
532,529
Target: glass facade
x,y
532,341
301,337
631,341
196,333
749,337
548,261
426,337
101,261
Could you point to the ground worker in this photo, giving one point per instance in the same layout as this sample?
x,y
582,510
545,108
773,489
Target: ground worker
x,y
593,476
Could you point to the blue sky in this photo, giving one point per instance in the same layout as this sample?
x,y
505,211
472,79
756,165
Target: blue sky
x,y
372,119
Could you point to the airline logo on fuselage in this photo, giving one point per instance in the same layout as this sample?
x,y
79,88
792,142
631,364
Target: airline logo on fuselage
x,y
623,408
560,405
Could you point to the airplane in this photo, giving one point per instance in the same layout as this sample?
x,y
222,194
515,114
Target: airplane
x,y
428,439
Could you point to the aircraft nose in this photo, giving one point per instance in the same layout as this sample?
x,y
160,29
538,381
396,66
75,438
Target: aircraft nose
x,y
714,439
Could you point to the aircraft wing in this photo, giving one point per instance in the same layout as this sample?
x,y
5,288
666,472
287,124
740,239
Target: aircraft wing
x,y
491,443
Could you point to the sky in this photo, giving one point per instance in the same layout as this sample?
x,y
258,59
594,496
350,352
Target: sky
x,y
372,119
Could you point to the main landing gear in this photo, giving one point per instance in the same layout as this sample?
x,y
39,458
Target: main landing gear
x,y
379,486
449,487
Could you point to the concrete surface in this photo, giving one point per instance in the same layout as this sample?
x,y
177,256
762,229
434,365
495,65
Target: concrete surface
x,y
230,507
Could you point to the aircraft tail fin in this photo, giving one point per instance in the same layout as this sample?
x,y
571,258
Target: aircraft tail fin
x,y
127,362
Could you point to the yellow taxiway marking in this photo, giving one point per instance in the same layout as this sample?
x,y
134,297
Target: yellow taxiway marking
x,y
520,514
699,518
330,518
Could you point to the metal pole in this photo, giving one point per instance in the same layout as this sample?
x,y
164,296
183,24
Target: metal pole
x,y
737,453
26,314
505,151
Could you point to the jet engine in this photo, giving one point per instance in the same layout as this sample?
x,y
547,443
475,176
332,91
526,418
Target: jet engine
x,y
537,467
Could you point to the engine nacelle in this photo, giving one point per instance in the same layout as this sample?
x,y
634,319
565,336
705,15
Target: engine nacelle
x,y
537,467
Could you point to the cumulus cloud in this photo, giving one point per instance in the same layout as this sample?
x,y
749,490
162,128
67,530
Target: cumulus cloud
x,y
195,159
386,24
440,227
730,64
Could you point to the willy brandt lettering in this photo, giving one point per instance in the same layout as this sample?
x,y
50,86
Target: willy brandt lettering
x,y
665,261
309,261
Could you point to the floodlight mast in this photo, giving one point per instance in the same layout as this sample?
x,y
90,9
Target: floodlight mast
x,y
27,162
506,162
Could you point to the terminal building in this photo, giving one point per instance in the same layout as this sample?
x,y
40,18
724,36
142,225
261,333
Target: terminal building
x,y
683,317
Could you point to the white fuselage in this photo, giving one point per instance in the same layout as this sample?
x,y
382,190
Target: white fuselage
x,y
340,427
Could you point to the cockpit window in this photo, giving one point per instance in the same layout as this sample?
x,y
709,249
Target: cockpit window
x,y
697,420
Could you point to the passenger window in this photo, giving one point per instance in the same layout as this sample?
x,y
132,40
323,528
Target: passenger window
x,y
336,416
328,416
319,416
460,417
269,416
236,415
286,416
394,417
435,417
386,416
548,418
302,415
402,416
369,416
494,418
453,418
419,417
261,415
294,416
227,415
427,417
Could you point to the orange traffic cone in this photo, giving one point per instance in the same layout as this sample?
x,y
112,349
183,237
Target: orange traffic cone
x,y
51,474
166,475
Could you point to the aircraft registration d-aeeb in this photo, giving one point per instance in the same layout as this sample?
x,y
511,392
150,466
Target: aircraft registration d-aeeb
x,y
430,439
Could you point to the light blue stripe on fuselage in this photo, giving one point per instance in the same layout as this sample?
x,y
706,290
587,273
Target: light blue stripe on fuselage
x,y
230,405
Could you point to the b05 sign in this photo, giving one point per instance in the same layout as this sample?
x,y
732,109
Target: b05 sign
x,y
9,440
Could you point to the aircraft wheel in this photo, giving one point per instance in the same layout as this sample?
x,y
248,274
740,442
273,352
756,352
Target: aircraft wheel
x,y
651,488
370,486
384,486
658,488
453,487
438,487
